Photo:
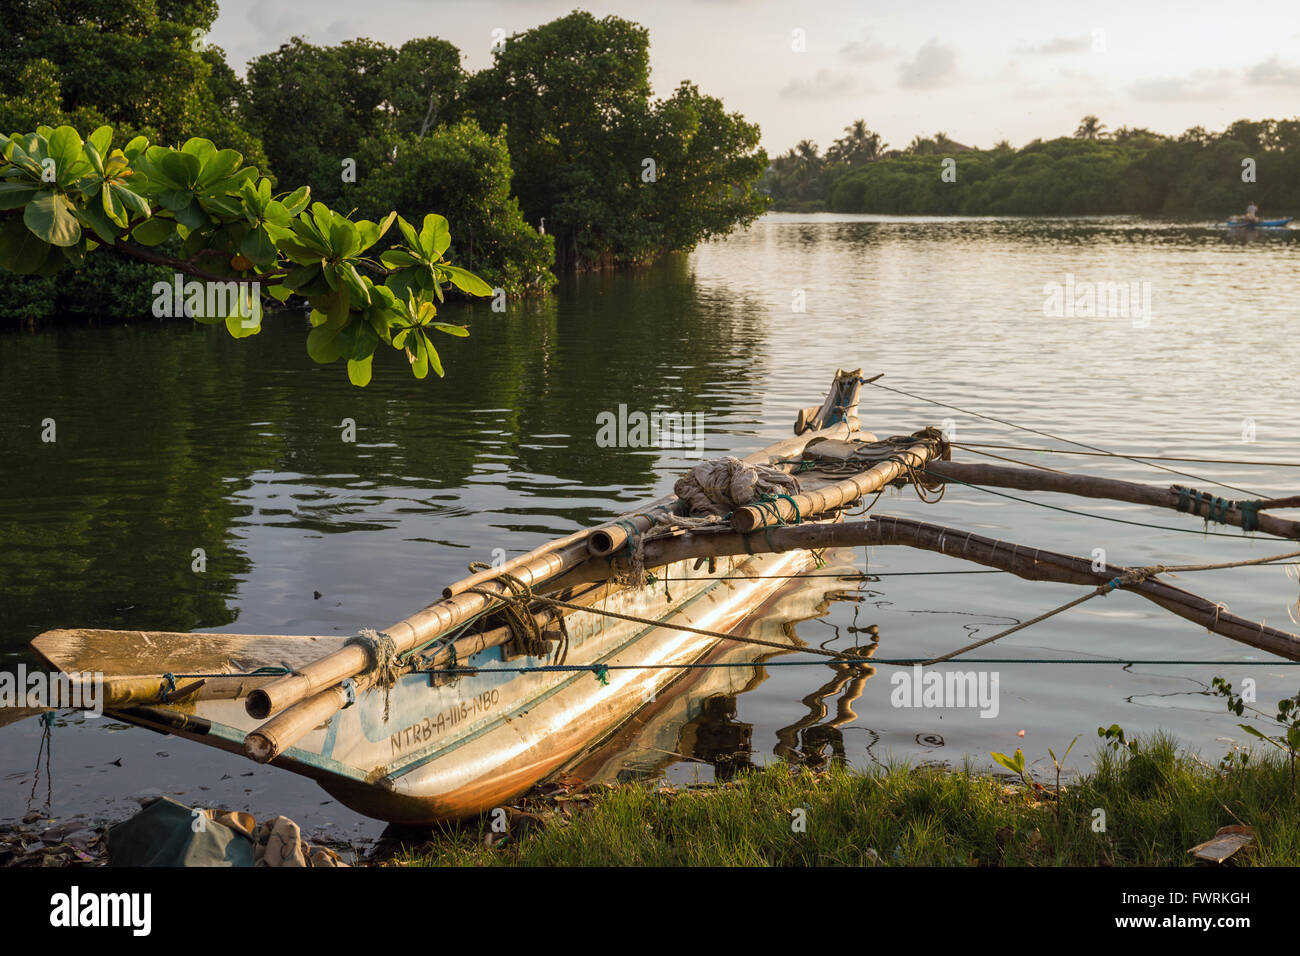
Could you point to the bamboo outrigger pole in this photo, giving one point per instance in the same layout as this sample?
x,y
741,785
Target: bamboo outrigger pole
x,y
613,537
1033,564
794,507
446,615
1087,486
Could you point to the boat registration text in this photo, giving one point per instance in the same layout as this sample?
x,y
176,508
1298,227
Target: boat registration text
x,y
433,726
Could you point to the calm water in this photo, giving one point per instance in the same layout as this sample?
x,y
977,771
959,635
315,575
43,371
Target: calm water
x,y
172,438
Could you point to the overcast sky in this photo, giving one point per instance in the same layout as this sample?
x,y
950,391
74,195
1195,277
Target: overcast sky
x,y
979,72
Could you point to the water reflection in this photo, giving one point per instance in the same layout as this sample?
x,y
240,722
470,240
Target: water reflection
x,y
173,438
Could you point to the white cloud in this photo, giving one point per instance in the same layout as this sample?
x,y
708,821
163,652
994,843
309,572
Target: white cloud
x,y
824,84
1273,72
1202,85
1057,45
865,50
934,65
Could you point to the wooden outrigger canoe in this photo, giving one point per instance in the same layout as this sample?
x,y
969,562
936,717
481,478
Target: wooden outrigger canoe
x,y
521,670
477,705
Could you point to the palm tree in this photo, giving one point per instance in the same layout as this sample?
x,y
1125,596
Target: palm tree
x,y
920,146
858,145
1089,128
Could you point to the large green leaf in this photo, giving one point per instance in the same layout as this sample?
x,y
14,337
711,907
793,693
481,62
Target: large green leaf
x,y
397,259
65,150
300,253
345,238
347,272
193,216
219,166
135,204
359,371
466,281
238,324
101,139
49,217
276,212
323,218
20,251
181,168
323,344
435,235
297,200
135,147
408,233
16,195
257,245
175,199
364,341
113,208
435,362
151,232
416,354
93,217
201,149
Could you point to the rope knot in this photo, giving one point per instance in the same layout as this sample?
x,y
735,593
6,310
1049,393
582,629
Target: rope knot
x,y
384,661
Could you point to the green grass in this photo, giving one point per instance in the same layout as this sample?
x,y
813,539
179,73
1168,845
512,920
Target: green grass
x,y
1158,803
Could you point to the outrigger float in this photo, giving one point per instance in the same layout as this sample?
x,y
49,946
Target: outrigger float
x,y
522,670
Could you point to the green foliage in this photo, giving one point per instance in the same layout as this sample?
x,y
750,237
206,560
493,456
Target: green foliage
x,y
75,196
1113,736
899,816
314,106
393,112
1015,763
466,173
1092,172
1287,718
138,64
574,98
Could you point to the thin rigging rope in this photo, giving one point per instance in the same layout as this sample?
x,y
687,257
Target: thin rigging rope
x,y
1026,428
1106,454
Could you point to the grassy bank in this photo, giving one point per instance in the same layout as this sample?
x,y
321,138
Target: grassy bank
x,y
1158,802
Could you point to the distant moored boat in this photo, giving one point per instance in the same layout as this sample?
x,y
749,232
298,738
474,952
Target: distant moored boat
x,y
1239,222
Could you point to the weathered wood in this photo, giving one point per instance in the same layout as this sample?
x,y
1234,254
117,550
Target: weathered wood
x,y
1088,486
451,612
811,503
611,538
288,727
1035,564
140,653
420,628
297,720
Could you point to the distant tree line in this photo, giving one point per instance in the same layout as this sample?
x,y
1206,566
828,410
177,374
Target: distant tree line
x,y
1092,172
556,157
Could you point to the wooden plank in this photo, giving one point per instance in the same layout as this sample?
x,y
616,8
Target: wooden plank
x,y
133,653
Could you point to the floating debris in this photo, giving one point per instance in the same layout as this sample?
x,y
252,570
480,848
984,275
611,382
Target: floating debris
x,y
1227,842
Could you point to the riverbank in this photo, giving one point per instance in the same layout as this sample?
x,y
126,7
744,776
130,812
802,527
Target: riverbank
x,y
1155,804
1146,807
